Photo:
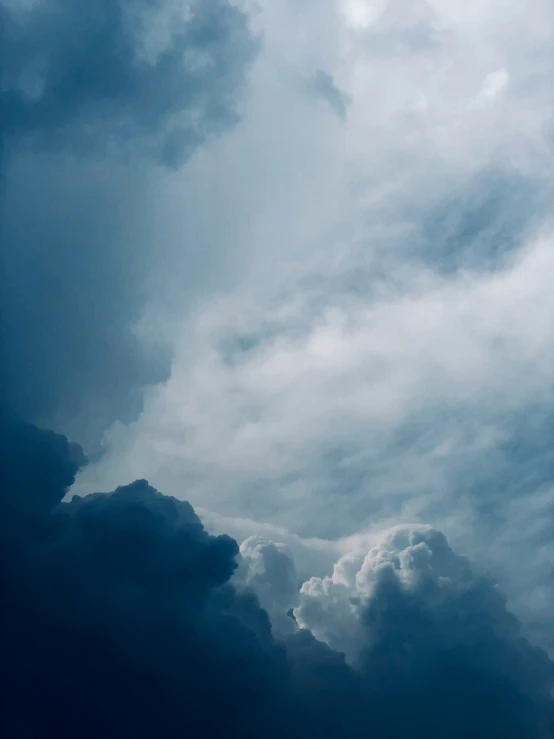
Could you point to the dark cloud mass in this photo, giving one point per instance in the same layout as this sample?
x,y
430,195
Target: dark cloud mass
x,y
119,620
159,73
93,97
120,617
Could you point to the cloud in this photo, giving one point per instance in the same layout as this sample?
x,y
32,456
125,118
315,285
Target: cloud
x,y
411,606
119,609
480,224
378,347
92,100
424,372
350,305
268,570
324,87
164,74
116,621
417,562
37,468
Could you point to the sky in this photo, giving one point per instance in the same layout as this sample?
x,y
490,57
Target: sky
x,y
290,262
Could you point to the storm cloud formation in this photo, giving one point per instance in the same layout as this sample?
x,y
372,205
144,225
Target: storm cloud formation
x,y
121,615
119,620
93,98
158,73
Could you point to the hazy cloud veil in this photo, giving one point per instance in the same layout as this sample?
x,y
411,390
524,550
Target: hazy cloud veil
x,y
290,262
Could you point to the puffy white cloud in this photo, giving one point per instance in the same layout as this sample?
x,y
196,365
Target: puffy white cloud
x,y
419,563
267,569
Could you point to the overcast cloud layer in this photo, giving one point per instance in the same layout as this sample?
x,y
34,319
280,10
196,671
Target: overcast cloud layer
x,y
290,262
385,350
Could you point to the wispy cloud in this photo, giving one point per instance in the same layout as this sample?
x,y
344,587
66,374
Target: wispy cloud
x,y
386,317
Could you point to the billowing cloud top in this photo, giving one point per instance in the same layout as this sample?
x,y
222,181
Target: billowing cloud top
x,y
119,619
290,262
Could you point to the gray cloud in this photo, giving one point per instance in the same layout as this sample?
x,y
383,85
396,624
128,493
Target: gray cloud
x,y
119,619
379,358
323,85
482,221
411,606
89,96
268,569
165,75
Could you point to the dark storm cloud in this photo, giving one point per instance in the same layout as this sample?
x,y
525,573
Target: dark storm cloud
x,y
461,669
75,72
119,620
72,280
92,95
